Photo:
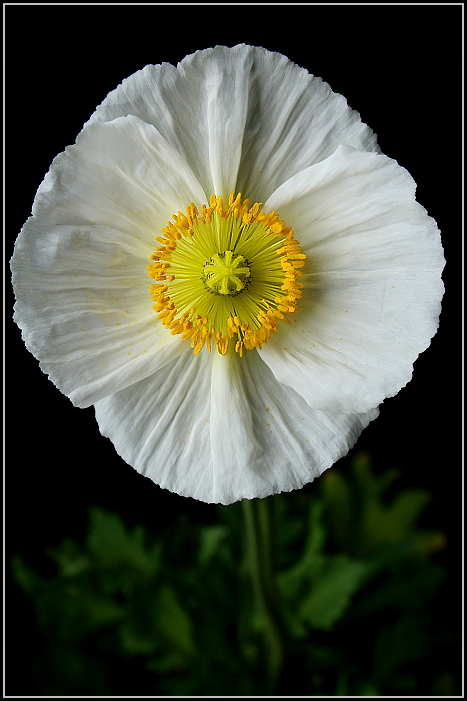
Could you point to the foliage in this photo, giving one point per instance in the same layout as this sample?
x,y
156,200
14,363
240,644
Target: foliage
x,y
128,612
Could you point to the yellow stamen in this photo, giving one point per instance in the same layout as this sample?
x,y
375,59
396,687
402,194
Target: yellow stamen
x,y
226,273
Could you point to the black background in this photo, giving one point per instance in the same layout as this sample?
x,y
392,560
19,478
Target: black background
x,y
399,66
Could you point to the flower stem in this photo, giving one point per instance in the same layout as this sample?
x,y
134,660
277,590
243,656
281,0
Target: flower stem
x,y
259,559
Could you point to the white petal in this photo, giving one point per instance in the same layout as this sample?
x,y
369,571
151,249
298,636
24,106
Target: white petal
x,y
160,425
199,106
373,283
122,174
221,428
235,451
265,438
240,110
79,266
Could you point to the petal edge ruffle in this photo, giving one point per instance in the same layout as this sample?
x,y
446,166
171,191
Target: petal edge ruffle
x,y
373,285
79,265
244,118
220,429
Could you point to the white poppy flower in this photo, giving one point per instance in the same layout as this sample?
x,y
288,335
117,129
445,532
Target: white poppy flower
x,y
268,331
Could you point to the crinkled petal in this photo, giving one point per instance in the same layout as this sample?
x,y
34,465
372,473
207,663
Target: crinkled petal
x,y
160,425
245,119
79,266
221,428
373,284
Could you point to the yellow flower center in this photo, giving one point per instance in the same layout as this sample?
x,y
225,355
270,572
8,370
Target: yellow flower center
x,y
226,274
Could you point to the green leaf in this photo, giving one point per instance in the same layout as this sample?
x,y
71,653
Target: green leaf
x,y
69,612
156,622
113,544
332,592
339,505
173,621
405,641
308,567
368,689
382,524
86,612
405,510
70,558
139,633
412,590
24,576
316,530
210,540
371,485
170,662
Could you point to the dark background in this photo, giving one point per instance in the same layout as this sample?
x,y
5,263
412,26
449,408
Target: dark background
x,y
399,66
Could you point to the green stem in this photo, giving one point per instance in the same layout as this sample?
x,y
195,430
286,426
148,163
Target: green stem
x,y
258,535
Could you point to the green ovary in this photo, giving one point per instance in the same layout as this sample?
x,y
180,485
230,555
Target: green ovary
x,y
226,273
